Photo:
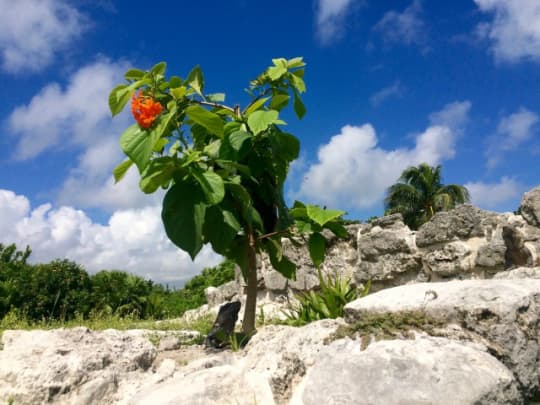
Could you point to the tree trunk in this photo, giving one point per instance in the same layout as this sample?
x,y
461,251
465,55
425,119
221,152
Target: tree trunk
x,y
248,325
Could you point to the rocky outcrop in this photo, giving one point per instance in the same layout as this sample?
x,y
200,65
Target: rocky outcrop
x,y
485,331
530,207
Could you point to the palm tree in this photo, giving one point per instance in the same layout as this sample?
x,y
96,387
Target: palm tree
x,y
419,194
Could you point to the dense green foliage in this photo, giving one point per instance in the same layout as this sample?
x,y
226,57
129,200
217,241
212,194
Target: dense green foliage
x,y
419,194
63,290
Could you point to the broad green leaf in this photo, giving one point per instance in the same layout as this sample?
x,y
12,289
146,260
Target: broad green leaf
x,y
134,74
296,62
238,252
317,248
120,171
299,107
220,228
118,98
183,215
280,62
160,144
231,127
259,121
253,218
216,97
212,149
175,82
254,106
159,172
337,229
138,145
179,92
322,216
209,120
237,139
279,101
304,227
276,72
239,192
279,262
159,68
195,79
298,83
289,146
212,186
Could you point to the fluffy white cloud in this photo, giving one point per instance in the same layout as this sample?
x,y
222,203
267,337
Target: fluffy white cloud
x,y
515,29
493,195
133,239
330,18
454,116
394,90
77,118
353,172
32,31
513,131
406,27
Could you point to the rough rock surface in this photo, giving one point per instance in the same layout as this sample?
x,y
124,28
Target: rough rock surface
x,y
530,207
506,313
422,371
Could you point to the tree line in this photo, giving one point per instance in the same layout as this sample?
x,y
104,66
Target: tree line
x,y
63,290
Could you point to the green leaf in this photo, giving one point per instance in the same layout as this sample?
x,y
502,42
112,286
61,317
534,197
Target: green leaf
x,y
276,72
134,74
238,252
159,68
237,139
255,105
118,98
138,145
175,82
295,63
289,146
280,62
279,262
159,172
297,82
299,107
120,171
179,92
322,216
183,216
317,248
220,228
216,97
279,101
337,229
209,120
212,186
259,121
195,79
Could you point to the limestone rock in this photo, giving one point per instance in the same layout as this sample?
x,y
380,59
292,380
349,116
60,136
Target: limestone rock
x,y
530,207
422,371
69,365
504,312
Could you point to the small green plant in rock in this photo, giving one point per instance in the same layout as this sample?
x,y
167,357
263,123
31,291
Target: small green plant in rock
x,y
328,302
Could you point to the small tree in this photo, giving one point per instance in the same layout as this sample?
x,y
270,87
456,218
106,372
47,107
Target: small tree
x,y
419,194
223,166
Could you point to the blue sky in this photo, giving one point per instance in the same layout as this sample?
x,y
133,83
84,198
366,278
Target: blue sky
x,y
390,84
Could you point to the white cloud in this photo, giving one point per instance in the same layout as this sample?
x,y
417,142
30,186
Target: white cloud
x,y
493,195
515,29
394,90
512,131
32,31
406,27
330,19
353,172
454,115
77,118
133,240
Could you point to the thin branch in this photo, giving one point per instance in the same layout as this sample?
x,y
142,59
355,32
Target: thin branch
x,y
215,105
269,235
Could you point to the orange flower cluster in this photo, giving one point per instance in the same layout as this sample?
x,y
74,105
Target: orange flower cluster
x,y
144,109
